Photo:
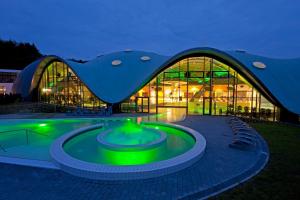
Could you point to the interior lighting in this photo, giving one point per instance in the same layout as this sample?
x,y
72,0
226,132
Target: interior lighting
x,y
44,90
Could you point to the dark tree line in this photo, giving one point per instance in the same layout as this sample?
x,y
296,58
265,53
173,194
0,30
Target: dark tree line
x,y
14,55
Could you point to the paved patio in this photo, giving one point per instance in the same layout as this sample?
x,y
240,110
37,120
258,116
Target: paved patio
x,y
219,168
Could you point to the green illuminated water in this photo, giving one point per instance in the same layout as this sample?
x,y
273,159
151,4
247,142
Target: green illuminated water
x,y
31,138
131,134
85,146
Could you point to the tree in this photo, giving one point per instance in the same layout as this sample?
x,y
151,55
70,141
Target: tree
x,y
15,55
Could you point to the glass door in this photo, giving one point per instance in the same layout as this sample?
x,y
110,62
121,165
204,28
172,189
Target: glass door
x,y
142,104
145,104
206,105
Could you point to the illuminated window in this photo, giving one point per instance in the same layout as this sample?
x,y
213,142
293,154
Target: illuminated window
x,y
59,85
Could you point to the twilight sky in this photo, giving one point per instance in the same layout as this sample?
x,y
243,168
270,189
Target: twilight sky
x,y
83,29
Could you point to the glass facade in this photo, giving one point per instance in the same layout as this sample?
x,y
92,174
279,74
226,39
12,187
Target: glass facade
x,y
194,86
59,85
204,86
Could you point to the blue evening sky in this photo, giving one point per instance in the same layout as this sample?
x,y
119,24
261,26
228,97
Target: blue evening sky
x,y
83,29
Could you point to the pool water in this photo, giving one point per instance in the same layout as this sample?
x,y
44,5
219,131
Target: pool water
x,y
130,134
31,138
86,147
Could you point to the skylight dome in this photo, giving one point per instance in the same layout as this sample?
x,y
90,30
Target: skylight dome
x,y
145,58
128,50
259,65
116,62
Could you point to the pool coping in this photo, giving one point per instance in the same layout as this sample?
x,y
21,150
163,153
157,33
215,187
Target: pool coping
x,y
28,162
106,172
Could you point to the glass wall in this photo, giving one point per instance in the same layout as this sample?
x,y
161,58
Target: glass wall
x,y
59,85
201,85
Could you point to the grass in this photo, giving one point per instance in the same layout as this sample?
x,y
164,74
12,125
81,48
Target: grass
x,y
280,179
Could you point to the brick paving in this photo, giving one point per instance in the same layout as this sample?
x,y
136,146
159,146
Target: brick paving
x,y
219,163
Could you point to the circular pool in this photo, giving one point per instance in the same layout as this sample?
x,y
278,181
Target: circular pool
x,y
127,150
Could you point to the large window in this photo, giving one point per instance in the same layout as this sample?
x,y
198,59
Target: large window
x,y
202,85
8,77
59,85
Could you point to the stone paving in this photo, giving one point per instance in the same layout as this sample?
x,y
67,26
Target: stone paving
x,y
219,163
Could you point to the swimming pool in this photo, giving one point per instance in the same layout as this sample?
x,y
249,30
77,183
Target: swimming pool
x,y
87,148
114,151
31,138
112,144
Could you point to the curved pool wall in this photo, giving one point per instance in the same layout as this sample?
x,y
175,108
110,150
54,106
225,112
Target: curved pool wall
x,y
97,171
85,147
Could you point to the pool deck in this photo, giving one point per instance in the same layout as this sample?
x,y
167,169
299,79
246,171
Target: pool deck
x,y
220,168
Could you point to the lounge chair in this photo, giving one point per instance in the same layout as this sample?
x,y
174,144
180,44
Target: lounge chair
x,y
243,143
242,129
243,138
246,133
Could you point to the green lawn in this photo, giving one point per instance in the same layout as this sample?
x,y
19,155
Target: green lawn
x,y
280,179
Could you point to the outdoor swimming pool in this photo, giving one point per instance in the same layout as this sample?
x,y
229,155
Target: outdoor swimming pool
x,y
31,138
135,137
129,148
111,142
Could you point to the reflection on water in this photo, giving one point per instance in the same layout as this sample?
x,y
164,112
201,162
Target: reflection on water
x,y
165,115
172,114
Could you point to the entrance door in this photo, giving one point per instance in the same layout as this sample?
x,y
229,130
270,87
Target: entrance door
x,y
142,104
206,106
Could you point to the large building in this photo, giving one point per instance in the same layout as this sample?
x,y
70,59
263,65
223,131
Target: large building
x,y
7,78
202,81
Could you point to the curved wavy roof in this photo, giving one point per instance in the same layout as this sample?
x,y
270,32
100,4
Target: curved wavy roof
x,y
113,84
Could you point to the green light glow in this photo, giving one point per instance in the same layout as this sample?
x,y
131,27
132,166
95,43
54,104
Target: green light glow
x,y
206,79
85,147
221,74
131,134
42,132
40,135
129,157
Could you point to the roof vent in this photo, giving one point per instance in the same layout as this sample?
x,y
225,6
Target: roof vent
x,y
116,62
128,50
240,50
145,58
259,65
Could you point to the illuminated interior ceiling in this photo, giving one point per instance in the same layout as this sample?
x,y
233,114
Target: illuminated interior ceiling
x,y
278,81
